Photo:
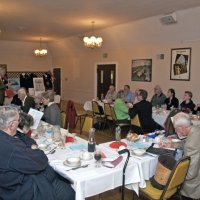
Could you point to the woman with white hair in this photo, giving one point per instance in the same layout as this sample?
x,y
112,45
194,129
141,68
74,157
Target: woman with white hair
x,y
121,110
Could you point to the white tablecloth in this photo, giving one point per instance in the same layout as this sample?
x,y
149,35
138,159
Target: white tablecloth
x,y
162,116
88,105
91,181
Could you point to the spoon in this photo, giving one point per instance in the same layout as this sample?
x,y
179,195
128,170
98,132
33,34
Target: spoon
x,y
83,166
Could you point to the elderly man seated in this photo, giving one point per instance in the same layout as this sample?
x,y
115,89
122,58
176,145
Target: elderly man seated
x,y
25,172
144,111
111,94
26,100
158,98
184,128
129,96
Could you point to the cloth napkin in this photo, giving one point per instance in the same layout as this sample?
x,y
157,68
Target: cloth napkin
x,y
114,163
78,147
116,145
69,139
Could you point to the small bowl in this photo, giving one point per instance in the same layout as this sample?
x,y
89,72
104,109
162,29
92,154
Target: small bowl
x,y
86,156
74,161
139,152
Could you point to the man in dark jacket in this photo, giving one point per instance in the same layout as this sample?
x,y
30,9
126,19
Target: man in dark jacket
x,y
144,110
24,172
27,101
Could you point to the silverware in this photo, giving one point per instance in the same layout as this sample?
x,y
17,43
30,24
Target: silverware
x,y
83,166
52,151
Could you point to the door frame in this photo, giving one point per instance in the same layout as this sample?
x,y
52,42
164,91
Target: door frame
x,y
95,75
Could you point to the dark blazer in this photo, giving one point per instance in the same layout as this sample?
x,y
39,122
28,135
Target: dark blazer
x,y
22,170
144,111
187,107
174,103
29,103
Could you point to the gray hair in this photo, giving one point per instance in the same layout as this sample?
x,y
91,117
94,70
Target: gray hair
x,y
26,120
48,95
7,114
181,119
120,94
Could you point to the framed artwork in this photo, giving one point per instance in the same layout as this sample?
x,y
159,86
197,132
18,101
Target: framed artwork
x,y
141,70
180,64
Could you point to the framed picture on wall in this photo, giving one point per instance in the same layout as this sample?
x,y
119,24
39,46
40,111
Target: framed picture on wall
x,y
141,70
180,64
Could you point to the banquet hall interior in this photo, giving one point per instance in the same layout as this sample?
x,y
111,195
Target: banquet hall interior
x,y
140,45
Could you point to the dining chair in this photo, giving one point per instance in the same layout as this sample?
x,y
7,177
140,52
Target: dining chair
x,y
63,119
116,122
87,125
98,116
136,125
173,185
80,115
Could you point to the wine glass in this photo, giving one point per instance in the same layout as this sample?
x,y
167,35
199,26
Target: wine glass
x,y
97,157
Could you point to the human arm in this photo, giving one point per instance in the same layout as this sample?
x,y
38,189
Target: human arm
x,y
27,161
192,150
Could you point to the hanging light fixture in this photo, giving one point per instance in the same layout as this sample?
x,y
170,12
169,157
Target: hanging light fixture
x,y
40,52
92,41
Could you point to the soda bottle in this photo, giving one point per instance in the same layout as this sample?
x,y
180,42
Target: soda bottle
x,y
91,140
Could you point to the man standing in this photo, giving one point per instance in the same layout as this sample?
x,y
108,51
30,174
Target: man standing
x,y
158,98
27,101
184,128
24,171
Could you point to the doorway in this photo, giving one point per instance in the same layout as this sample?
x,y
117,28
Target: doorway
x,y
106,76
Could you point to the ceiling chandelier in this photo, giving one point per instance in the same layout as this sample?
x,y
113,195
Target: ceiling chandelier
x,y
40,52
92,41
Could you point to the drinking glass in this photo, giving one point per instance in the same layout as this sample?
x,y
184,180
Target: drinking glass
x,y
97,157
198,115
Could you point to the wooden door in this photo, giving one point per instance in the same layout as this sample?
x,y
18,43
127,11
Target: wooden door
x,y
106,76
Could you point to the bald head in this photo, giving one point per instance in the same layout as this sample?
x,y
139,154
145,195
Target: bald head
x,y
157,90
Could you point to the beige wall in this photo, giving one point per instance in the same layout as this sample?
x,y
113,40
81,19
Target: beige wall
x,y
136,40
19,56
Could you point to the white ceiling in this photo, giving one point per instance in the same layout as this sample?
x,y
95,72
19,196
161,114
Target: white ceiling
x,y
28,20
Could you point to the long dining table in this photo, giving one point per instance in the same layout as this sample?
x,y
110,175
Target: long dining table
x,y
158,114
90,181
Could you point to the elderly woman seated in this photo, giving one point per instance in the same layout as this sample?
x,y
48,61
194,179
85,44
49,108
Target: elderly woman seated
x,y
52,111
25,172
121,110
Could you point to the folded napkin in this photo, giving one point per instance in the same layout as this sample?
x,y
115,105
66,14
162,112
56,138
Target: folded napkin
x,y
69,139
113,163
78,147
116,145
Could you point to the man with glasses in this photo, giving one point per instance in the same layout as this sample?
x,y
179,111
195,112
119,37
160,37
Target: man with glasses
x,y
184,129
25,172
